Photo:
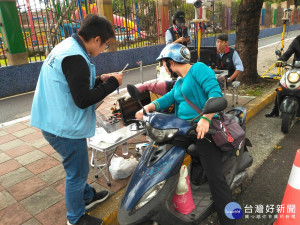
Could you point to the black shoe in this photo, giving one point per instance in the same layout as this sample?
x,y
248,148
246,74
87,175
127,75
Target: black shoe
x,y
274,112
86,219
97,199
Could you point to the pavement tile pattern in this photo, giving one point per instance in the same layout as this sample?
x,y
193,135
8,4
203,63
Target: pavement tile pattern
x,y
32,178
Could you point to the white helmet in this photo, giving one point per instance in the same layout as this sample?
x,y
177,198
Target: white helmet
x,y
176,52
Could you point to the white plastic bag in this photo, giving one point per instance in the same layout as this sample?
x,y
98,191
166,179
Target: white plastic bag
x,y
182,186
163,74
121,168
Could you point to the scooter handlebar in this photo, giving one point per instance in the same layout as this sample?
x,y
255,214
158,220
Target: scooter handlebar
x,y
212,131
192,131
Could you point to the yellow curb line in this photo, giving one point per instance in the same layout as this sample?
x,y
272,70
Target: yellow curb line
x,y
109,209
111,219
258,104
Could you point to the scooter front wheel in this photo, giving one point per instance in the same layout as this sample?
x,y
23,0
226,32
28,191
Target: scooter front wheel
x,y
286,122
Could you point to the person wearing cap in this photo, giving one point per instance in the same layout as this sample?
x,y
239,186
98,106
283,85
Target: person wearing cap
x,y
197,84
178,32
228,59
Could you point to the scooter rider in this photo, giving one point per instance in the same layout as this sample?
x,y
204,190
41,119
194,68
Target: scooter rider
x,y
293,48
198,85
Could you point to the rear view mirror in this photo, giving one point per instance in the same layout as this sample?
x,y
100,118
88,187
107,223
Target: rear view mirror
x,y
297,64
278,53
214,105
133,92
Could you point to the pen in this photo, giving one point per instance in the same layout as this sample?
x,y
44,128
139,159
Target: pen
x,y
122,72
124,68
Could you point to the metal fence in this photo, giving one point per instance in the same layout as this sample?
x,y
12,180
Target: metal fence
x,y
45,23
3,49
135,23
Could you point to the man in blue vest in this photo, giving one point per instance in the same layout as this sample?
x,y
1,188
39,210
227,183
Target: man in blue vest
x,y
178,32
228,59
64,109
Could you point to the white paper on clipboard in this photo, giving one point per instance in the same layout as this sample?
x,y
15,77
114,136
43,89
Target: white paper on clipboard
x,y
102,136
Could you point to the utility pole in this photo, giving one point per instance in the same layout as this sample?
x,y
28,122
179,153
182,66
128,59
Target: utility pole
x,y
12,33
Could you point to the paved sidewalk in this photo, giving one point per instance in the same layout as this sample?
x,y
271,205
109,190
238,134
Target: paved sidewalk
x,y
32,176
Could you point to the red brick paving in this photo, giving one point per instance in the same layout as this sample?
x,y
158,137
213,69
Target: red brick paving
x,y
7,138
14,128
20,150
26,188
116,185
14,215
48,150
32,137
43,164
56,214
60,186
9,166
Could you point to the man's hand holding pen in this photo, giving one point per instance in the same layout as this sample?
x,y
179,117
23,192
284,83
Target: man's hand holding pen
x,y
118,76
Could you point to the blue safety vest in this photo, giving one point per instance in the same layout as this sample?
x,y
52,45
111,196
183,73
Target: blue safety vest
x,y
53,108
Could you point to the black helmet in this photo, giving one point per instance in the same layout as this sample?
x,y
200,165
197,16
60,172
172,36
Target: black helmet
x,y
179,16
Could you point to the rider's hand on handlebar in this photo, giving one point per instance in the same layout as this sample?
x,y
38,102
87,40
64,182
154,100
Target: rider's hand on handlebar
x,y
139,114
279,63
202,128
148,108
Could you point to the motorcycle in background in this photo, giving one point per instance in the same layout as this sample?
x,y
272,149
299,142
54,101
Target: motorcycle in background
x,y
148,195
288,96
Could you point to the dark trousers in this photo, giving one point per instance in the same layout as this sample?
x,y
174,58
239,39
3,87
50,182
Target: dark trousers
x,y
210,157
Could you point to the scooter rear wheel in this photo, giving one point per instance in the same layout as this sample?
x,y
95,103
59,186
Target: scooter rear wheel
x,y
286,122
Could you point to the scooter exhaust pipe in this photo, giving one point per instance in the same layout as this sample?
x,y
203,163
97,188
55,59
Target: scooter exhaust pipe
x,y
246,161
238,179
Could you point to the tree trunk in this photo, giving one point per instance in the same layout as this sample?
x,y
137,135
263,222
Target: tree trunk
x,y
247,32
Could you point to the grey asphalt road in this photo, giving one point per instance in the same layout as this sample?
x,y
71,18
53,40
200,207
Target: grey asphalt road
x,y
19,106
268,184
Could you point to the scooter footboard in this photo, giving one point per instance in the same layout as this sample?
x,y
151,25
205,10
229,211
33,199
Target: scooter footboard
x,y
154,209
145,177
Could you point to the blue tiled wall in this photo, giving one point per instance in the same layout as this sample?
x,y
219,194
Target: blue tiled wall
x,y
23,78
18,79
115,61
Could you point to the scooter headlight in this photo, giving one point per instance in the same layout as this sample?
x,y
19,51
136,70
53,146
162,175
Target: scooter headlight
x,y
160,135
293,77
151,193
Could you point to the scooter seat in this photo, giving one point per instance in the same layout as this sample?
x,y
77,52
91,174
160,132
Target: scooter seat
x,y
233,117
